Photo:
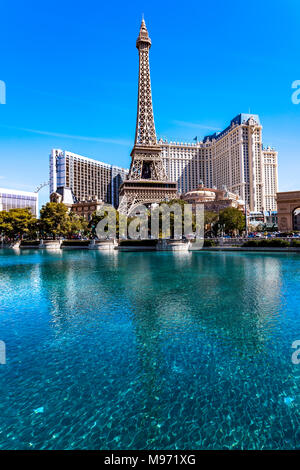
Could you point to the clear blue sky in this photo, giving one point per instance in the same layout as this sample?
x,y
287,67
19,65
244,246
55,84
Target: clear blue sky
x,y
70,70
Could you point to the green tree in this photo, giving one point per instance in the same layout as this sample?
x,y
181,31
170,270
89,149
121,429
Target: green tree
x,y
232,220
121,219
16,223
210,217
54,219
174,218
210,222
76,225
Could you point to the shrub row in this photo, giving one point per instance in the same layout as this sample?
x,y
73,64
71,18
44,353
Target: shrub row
x,y
267,243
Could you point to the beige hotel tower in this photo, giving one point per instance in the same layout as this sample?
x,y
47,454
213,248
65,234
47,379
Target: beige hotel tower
x,y
234,159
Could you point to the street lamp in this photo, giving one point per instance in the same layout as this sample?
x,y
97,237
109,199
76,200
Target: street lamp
x,y
246,220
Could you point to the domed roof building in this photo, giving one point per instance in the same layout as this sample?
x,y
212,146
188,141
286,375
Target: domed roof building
x,y
213,199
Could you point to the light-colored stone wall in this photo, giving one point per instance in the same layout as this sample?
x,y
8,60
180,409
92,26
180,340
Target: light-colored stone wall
x,y
287,202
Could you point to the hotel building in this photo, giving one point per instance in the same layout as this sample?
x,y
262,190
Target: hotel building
x,y
85,177
15,199
270,178
233,159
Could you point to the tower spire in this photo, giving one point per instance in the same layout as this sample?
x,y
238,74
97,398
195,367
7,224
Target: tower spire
x,y
145,129
143,35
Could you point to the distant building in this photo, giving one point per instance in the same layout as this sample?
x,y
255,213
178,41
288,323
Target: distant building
x,y
234,158
256,218
64,195
214,200
270,177
16,199
84,208
85,177
87,208
268,219
271,219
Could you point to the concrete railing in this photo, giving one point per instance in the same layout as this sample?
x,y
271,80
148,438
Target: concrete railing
x,y
50,244
107,245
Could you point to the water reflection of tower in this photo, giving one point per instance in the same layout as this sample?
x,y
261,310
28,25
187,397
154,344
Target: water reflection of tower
x,y
140,284
71,287
251,298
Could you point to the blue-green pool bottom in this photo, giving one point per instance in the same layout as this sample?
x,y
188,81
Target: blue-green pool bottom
x,y
149,350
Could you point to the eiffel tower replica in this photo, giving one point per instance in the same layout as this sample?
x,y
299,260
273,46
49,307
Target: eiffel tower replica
x,y
147,182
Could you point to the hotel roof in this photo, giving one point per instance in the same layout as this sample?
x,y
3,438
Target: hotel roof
x,y
239,119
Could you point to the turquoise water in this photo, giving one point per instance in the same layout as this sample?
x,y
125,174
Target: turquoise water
x,y
149,350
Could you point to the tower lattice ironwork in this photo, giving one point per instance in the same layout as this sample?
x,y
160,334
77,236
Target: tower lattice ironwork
x,y
147,181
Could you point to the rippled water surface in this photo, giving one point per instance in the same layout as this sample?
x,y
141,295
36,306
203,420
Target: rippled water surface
x,y
149,350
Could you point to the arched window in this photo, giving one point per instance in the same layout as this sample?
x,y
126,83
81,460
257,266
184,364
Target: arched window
x,y
296,219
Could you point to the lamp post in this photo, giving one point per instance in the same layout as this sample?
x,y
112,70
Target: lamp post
x,y
246,220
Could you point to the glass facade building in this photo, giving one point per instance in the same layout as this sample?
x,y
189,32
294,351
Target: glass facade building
x,y
15,199
87,178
